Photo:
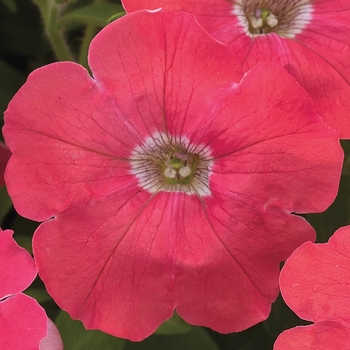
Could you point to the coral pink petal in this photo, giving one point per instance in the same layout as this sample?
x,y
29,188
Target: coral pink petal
x,y
327,34
273,142
216,16
157,75
76,123
23,323
325,84
226,242
144,261
113,259
314,283
4,157
53,340
315,280
17,267
208,7
72,125
135,5
322,336
317,56
327,9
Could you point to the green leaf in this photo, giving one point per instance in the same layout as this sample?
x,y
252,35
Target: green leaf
x,y
58,2
175,325
10,82
24,230
10,4
39,294
22,35
5,203
281,318
196,339
76,337
116,16
338,214
253,338
94,14
24,241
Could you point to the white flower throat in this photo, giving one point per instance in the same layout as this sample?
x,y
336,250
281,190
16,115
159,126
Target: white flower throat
x,y
283,17
172,164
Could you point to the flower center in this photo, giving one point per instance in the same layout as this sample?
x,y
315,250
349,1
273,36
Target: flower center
x,y
172,165
179,167
283,17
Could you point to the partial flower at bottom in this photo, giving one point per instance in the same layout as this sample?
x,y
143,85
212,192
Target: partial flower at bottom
x,y
315,285
23,322
167,181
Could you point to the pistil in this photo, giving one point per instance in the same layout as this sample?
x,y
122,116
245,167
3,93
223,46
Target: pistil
x,y
263,18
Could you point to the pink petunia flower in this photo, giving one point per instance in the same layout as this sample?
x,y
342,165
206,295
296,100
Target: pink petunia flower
x,y
309,38
23,322
4,157
167,181
315,284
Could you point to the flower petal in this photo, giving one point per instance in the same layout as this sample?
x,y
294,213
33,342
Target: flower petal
x,y
111,258
23,323
229,254
80,125
317,56
315,280
327,34
145,260
269,144
315,284
325,83
65,129
53,340
320,336
175,69
17,267
216,16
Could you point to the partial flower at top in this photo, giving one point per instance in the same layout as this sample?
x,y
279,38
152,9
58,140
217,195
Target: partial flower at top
x,y
167,181
23,322
309,38
4,157
315,285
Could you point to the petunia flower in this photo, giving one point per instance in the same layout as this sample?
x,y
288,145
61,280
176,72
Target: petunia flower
x,y
309,38
315,285
4,157
168,180
23,322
